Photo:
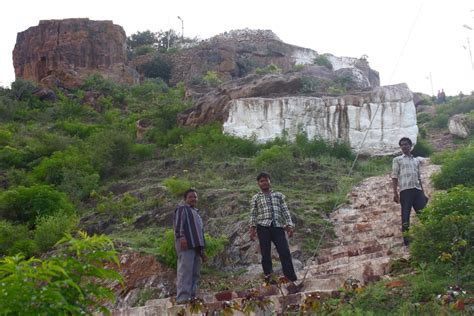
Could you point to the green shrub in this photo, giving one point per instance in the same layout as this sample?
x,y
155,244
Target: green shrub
x,y
78,129
26,205
149,90
298,67
322,60
70,171
69,283
456,169
23,89
144,50
424,117
209,142
176,186
211,79
444,234
440,120
24,247
12,157
158,67
422,148
143,151
317,147
51,170
277,160
167,250
9,235
270,69
50,229
110,150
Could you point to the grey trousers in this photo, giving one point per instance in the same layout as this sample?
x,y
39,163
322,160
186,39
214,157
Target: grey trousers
x,y
188,274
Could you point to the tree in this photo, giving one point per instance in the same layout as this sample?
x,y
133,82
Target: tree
x,y
146,38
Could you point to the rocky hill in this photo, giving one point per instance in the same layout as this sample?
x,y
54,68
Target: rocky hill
x,y
64,52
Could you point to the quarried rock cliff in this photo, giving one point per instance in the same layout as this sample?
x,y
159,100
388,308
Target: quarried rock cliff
x,y
346,118
64,52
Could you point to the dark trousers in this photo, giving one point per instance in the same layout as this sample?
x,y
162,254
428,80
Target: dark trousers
x,y
267,235
411,198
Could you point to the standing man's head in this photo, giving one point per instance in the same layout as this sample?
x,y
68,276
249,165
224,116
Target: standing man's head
x,y
405,145
190,197
263,180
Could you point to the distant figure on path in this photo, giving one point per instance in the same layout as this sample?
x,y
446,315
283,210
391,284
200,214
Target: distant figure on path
x,y
189,243
269,219
406,176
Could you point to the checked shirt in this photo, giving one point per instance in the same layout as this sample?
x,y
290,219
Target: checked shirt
x,y
268,208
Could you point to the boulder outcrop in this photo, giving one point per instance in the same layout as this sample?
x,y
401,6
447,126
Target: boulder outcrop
x,y
458,125
237,53
64,52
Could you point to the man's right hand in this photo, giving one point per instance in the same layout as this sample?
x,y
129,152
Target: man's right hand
x,y
396,198
183,243
253,233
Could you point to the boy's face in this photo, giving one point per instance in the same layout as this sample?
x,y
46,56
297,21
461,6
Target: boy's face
x,y
264,183
405,147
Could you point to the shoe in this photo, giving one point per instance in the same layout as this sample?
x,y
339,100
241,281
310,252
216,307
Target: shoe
x,y
294,288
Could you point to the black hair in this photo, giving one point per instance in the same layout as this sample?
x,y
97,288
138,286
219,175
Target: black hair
x,y
185,194
405,139
263,175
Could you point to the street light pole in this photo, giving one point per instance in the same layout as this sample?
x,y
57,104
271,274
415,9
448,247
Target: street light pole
x,y
182,28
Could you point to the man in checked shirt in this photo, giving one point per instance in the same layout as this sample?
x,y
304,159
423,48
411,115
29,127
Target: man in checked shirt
x,y
269,219
406,175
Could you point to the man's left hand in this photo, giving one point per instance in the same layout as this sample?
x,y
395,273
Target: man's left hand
x,y
289,231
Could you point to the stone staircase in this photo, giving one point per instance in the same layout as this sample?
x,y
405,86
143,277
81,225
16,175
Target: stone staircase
x,y
368,236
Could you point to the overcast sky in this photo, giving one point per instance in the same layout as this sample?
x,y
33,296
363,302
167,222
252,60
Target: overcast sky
x,y
405,40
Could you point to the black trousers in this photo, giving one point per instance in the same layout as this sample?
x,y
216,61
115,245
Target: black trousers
x,y
267,235
411,198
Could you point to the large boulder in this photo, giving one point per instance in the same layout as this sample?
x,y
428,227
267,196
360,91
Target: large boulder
x,y
371,122
459,126
64,52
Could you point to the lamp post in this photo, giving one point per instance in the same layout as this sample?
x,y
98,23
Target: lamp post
x,y
469,45
430,77
182,28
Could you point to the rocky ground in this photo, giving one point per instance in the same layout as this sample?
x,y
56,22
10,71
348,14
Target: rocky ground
x,y
368,237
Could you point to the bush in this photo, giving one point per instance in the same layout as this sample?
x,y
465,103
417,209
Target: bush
x,y
176,186
270,69
70,283
26,205
110,150
167,250
322,60
422,148
424,117
209,142
444,233
158,67
440,120
9,235
318,147
456,169
50,229
144,50
211,79
277,160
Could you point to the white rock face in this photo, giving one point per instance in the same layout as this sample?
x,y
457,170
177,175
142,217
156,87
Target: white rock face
x,y
458,126
347,118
